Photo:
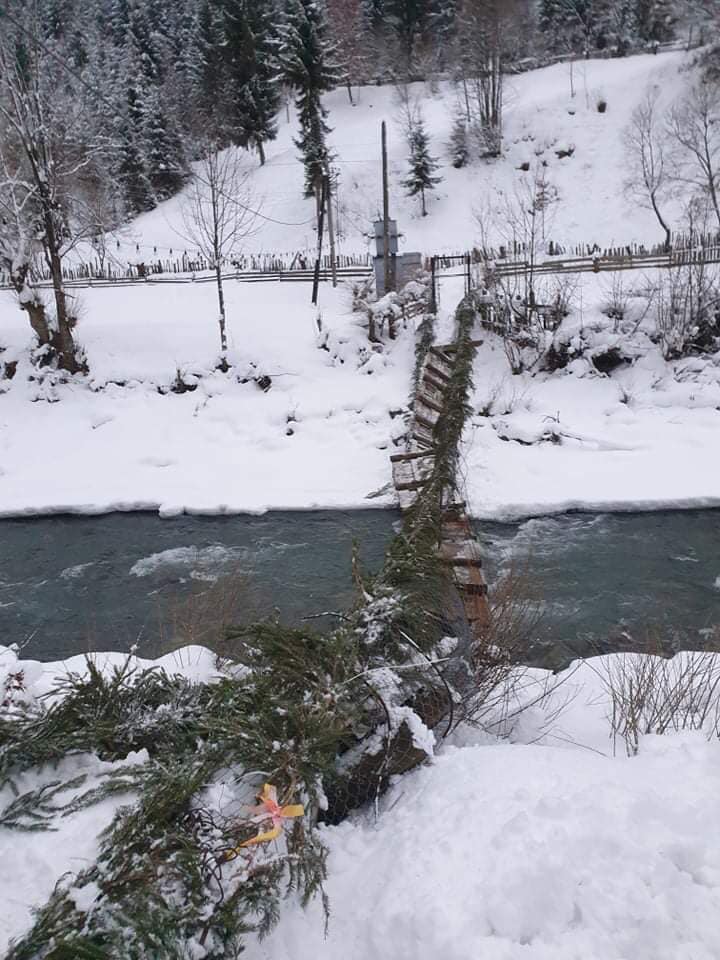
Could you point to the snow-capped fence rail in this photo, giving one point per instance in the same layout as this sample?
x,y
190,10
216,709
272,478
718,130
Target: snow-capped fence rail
x,y
187,269
294,276
588,258
610,262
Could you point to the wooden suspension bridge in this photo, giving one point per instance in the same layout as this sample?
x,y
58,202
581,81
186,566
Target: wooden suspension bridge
x,y
412,469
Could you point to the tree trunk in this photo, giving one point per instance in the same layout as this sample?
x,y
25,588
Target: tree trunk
x,y
60,338
422,197
663,224
61,349
467,101
350,96
261,152
221,312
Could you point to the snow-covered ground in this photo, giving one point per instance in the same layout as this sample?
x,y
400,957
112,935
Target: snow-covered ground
x,y
550,845
540,118
318,437
644,437
321,436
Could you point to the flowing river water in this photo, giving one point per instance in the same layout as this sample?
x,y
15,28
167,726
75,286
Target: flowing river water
x,y
74,584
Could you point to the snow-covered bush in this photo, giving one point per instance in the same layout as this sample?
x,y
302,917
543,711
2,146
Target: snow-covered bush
x,y
393,312
686,306
653,695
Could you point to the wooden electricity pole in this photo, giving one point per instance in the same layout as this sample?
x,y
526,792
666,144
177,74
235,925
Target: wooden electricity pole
x,y
386,213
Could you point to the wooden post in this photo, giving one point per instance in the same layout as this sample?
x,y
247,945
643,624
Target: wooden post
x,y
321,227
386,213
433,297
331,227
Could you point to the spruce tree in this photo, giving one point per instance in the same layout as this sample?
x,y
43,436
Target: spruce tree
x,y
459,147
656,20
307,61
210,67
251,63
409,21
568,25
422,166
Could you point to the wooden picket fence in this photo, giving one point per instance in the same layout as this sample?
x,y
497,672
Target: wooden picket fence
x,y
513,260
187,266
296,267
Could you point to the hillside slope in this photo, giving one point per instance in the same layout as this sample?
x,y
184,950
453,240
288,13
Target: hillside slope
x,y
538,121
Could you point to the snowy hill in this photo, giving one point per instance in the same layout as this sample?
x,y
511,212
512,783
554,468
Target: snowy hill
x,y
541,118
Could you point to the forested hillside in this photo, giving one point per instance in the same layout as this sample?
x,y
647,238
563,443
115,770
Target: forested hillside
x,y
143,85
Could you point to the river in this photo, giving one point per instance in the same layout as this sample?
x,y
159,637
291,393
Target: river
x,y
74,584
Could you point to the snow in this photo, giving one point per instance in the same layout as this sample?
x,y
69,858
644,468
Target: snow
x,y
537,123
644,437
33,862
318,437
540,853
550,844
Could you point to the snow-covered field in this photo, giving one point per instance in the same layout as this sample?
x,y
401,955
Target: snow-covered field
x,y
318,437
643,437
550,845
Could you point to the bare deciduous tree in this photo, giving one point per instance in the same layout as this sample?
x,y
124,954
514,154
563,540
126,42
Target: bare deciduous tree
x,y
349,33
218,214
694,125
686,298
481,25
43,160
646,149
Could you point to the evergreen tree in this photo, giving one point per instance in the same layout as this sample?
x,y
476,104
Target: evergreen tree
x,y
459,147
307,61
656,20
568,25
210,39
422,166
374,13
409,21
164,151
250,55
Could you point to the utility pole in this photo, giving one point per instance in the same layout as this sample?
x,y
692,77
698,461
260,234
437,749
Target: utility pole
x,y
331,225
389,285
321,227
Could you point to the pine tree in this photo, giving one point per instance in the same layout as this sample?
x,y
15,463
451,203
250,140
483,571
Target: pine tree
x,y
250,57
210,39
307,61
656,20
409,20
422,166
568,25
164,153
459,147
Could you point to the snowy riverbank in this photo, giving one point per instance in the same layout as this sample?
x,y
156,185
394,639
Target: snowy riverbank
x,y
643,437
552,843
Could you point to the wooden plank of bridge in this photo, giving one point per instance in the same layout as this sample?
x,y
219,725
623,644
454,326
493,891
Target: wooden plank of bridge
x,y
458,547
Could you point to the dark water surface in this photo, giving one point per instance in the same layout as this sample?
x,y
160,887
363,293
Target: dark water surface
x,y
70,584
